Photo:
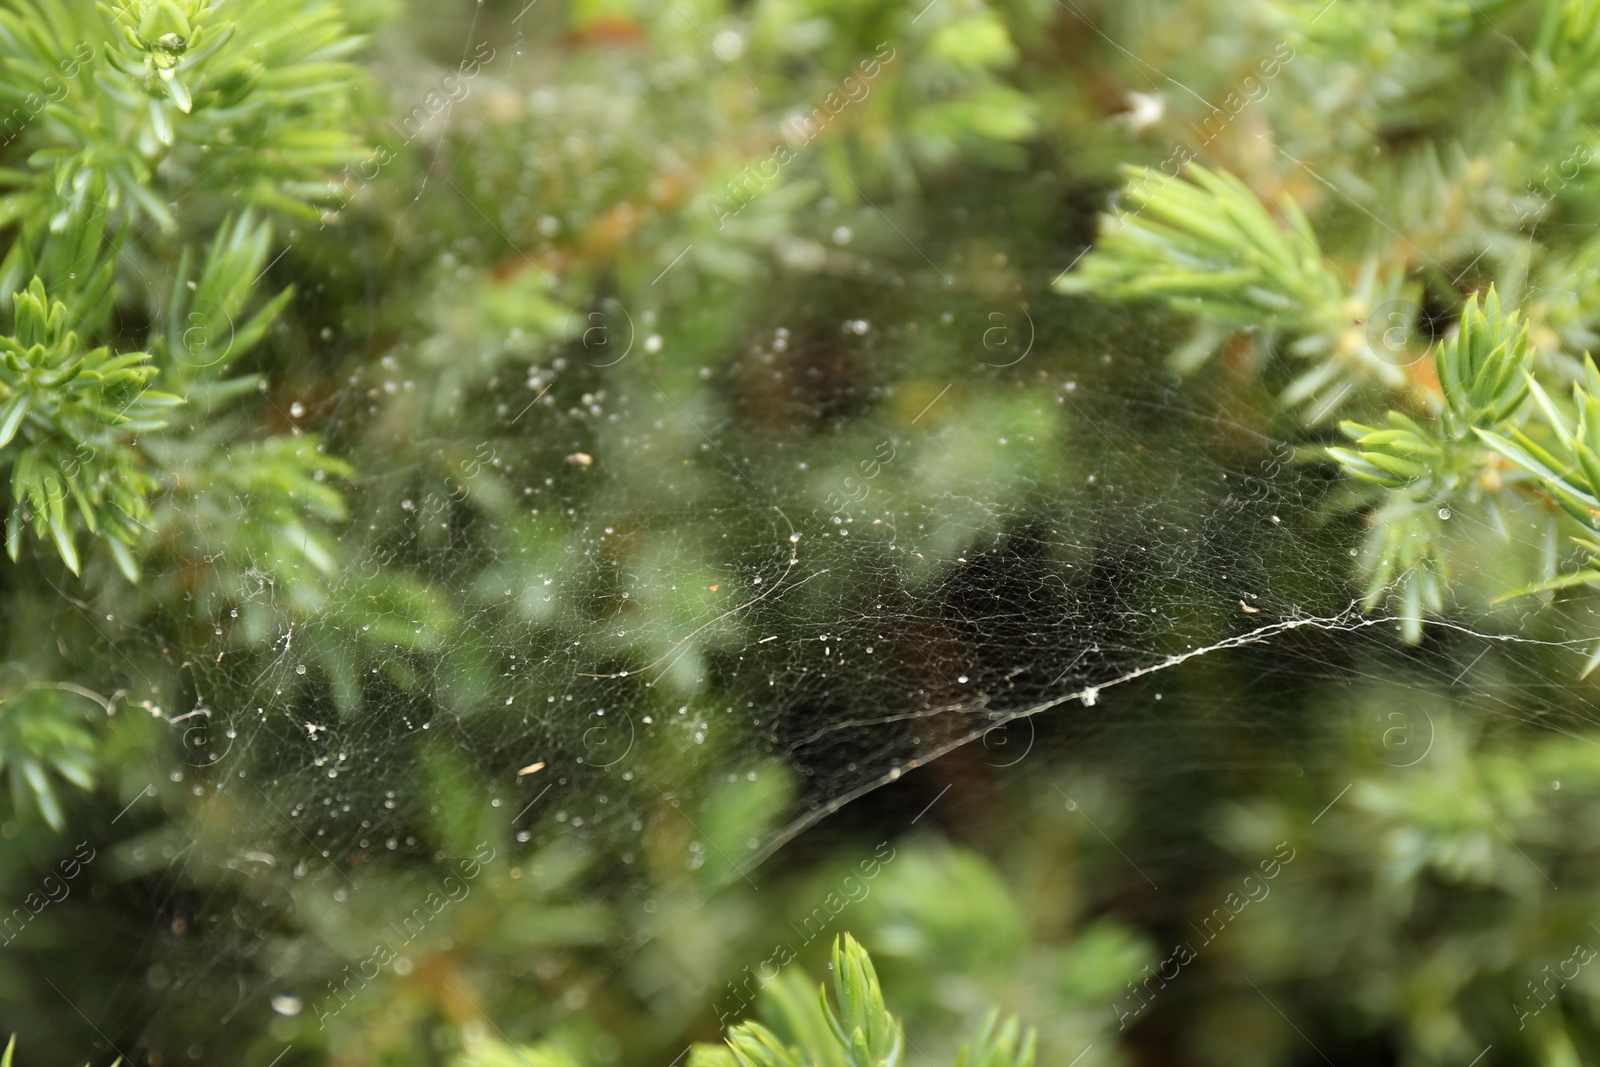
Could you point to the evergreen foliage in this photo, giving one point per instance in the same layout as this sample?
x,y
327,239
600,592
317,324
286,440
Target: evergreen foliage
x,y
859,1033
1455,439
134,129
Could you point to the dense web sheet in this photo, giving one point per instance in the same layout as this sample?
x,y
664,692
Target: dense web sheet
x,y
826,646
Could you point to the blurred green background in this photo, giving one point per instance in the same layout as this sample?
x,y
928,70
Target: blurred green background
x,y
641,506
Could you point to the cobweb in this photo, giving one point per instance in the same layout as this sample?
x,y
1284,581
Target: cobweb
x,y
867,533
831,646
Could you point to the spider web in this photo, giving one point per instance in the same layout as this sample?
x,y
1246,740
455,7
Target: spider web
x,y
824,656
